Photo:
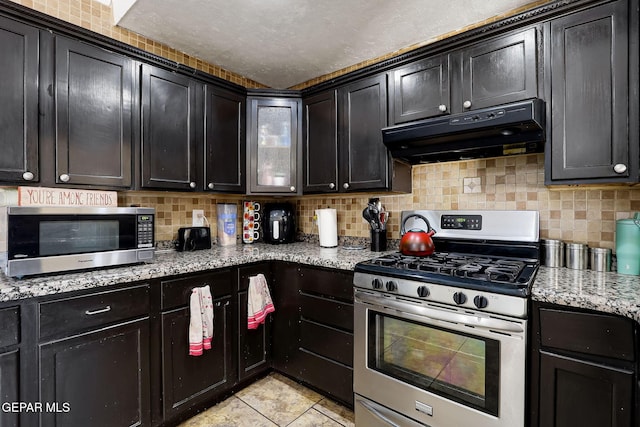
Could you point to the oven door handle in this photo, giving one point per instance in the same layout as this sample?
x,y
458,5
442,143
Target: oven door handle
x,y
465,319
386,415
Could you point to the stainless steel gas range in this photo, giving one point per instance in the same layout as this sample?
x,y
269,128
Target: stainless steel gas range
x,y
440,341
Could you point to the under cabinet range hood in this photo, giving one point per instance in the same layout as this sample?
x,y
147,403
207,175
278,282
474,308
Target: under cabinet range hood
x,y
509,129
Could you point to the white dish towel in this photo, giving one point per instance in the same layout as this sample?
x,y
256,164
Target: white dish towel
x,y
201,320
259,302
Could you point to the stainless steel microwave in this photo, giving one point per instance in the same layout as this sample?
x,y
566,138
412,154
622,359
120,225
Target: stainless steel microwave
x,y
38,240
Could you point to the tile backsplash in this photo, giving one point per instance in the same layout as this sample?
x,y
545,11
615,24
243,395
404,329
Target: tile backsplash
x,y
573,214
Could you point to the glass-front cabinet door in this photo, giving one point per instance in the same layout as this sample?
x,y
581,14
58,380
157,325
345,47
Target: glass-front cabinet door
x,y
273,146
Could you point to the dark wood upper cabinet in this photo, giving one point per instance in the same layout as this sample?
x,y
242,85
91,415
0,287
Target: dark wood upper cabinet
x,y
225,146
93,103
589,108
500,70
273,145
420,90
170,114
320,143
19,50
362,107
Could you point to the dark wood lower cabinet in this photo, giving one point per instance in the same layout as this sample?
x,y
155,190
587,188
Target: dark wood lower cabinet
x,y
584,369
313,329
100,378
9,363
577,392
189,380
9,386
254,345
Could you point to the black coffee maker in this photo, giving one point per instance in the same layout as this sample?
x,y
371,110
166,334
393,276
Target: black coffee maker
x,y
278,223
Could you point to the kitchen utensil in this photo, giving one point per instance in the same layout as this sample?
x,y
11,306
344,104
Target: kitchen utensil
x,y
628,245
368,216
552,253
417,242
600,259
577,256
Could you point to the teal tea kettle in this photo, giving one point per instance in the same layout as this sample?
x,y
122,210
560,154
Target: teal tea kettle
x,y
628,245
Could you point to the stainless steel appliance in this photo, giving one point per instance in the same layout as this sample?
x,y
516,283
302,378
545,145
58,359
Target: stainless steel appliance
x,y
279,223
440,341
508,129
37,240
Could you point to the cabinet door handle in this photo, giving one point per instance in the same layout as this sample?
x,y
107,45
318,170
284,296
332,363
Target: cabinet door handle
x,y
332,186
292,188
466,104
442,108
210,186
192,184
64,177
620,168
102,310
345,185
27,176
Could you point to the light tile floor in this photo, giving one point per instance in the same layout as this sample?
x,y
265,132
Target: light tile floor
x,y
274,401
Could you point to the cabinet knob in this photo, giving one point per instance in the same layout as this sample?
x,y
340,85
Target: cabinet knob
x,y
64,177
620,168
210,186
442,108
332,186
192,184
466,104
292,188
345,185
27,176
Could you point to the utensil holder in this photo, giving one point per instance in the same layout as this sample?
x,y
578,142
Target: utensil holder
x,y
378,240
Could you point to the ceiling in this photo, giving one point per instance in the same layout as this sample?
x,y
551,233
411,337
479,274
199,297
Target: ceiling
x,y
281,43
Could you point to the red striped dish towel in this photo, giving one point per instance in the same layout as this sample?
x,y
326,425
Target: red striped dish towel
x,y
201,320
259,302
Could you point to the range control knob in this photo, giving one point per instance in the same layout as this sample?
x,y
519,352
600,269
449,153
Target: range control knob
x,y
392,286
459,298
423,291
480,301
376,283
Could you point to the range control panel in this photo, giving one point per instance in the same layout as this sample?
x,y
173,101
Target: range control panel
x,y
461,222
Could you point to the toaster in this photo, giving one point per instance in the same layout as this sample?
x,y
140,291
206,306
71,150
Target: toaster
x,y
193,238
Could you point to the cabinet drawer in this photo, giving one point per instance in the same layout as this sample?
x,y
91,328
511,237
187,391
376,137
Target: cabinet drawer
x,y
176,292
327,342
10,331
588,333
332,378
327,311
67,316
334,284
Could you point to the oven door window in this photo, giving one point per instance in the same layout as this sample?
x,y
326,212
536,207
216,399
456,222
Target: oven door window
x,y
458,366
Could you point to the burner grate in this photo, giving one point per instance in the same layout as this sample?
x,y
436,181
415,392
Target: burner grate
x,y
481,268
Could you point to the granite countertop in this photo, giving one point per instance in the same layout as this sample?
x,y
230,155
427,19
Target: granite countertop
x,y
606,292
170,262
